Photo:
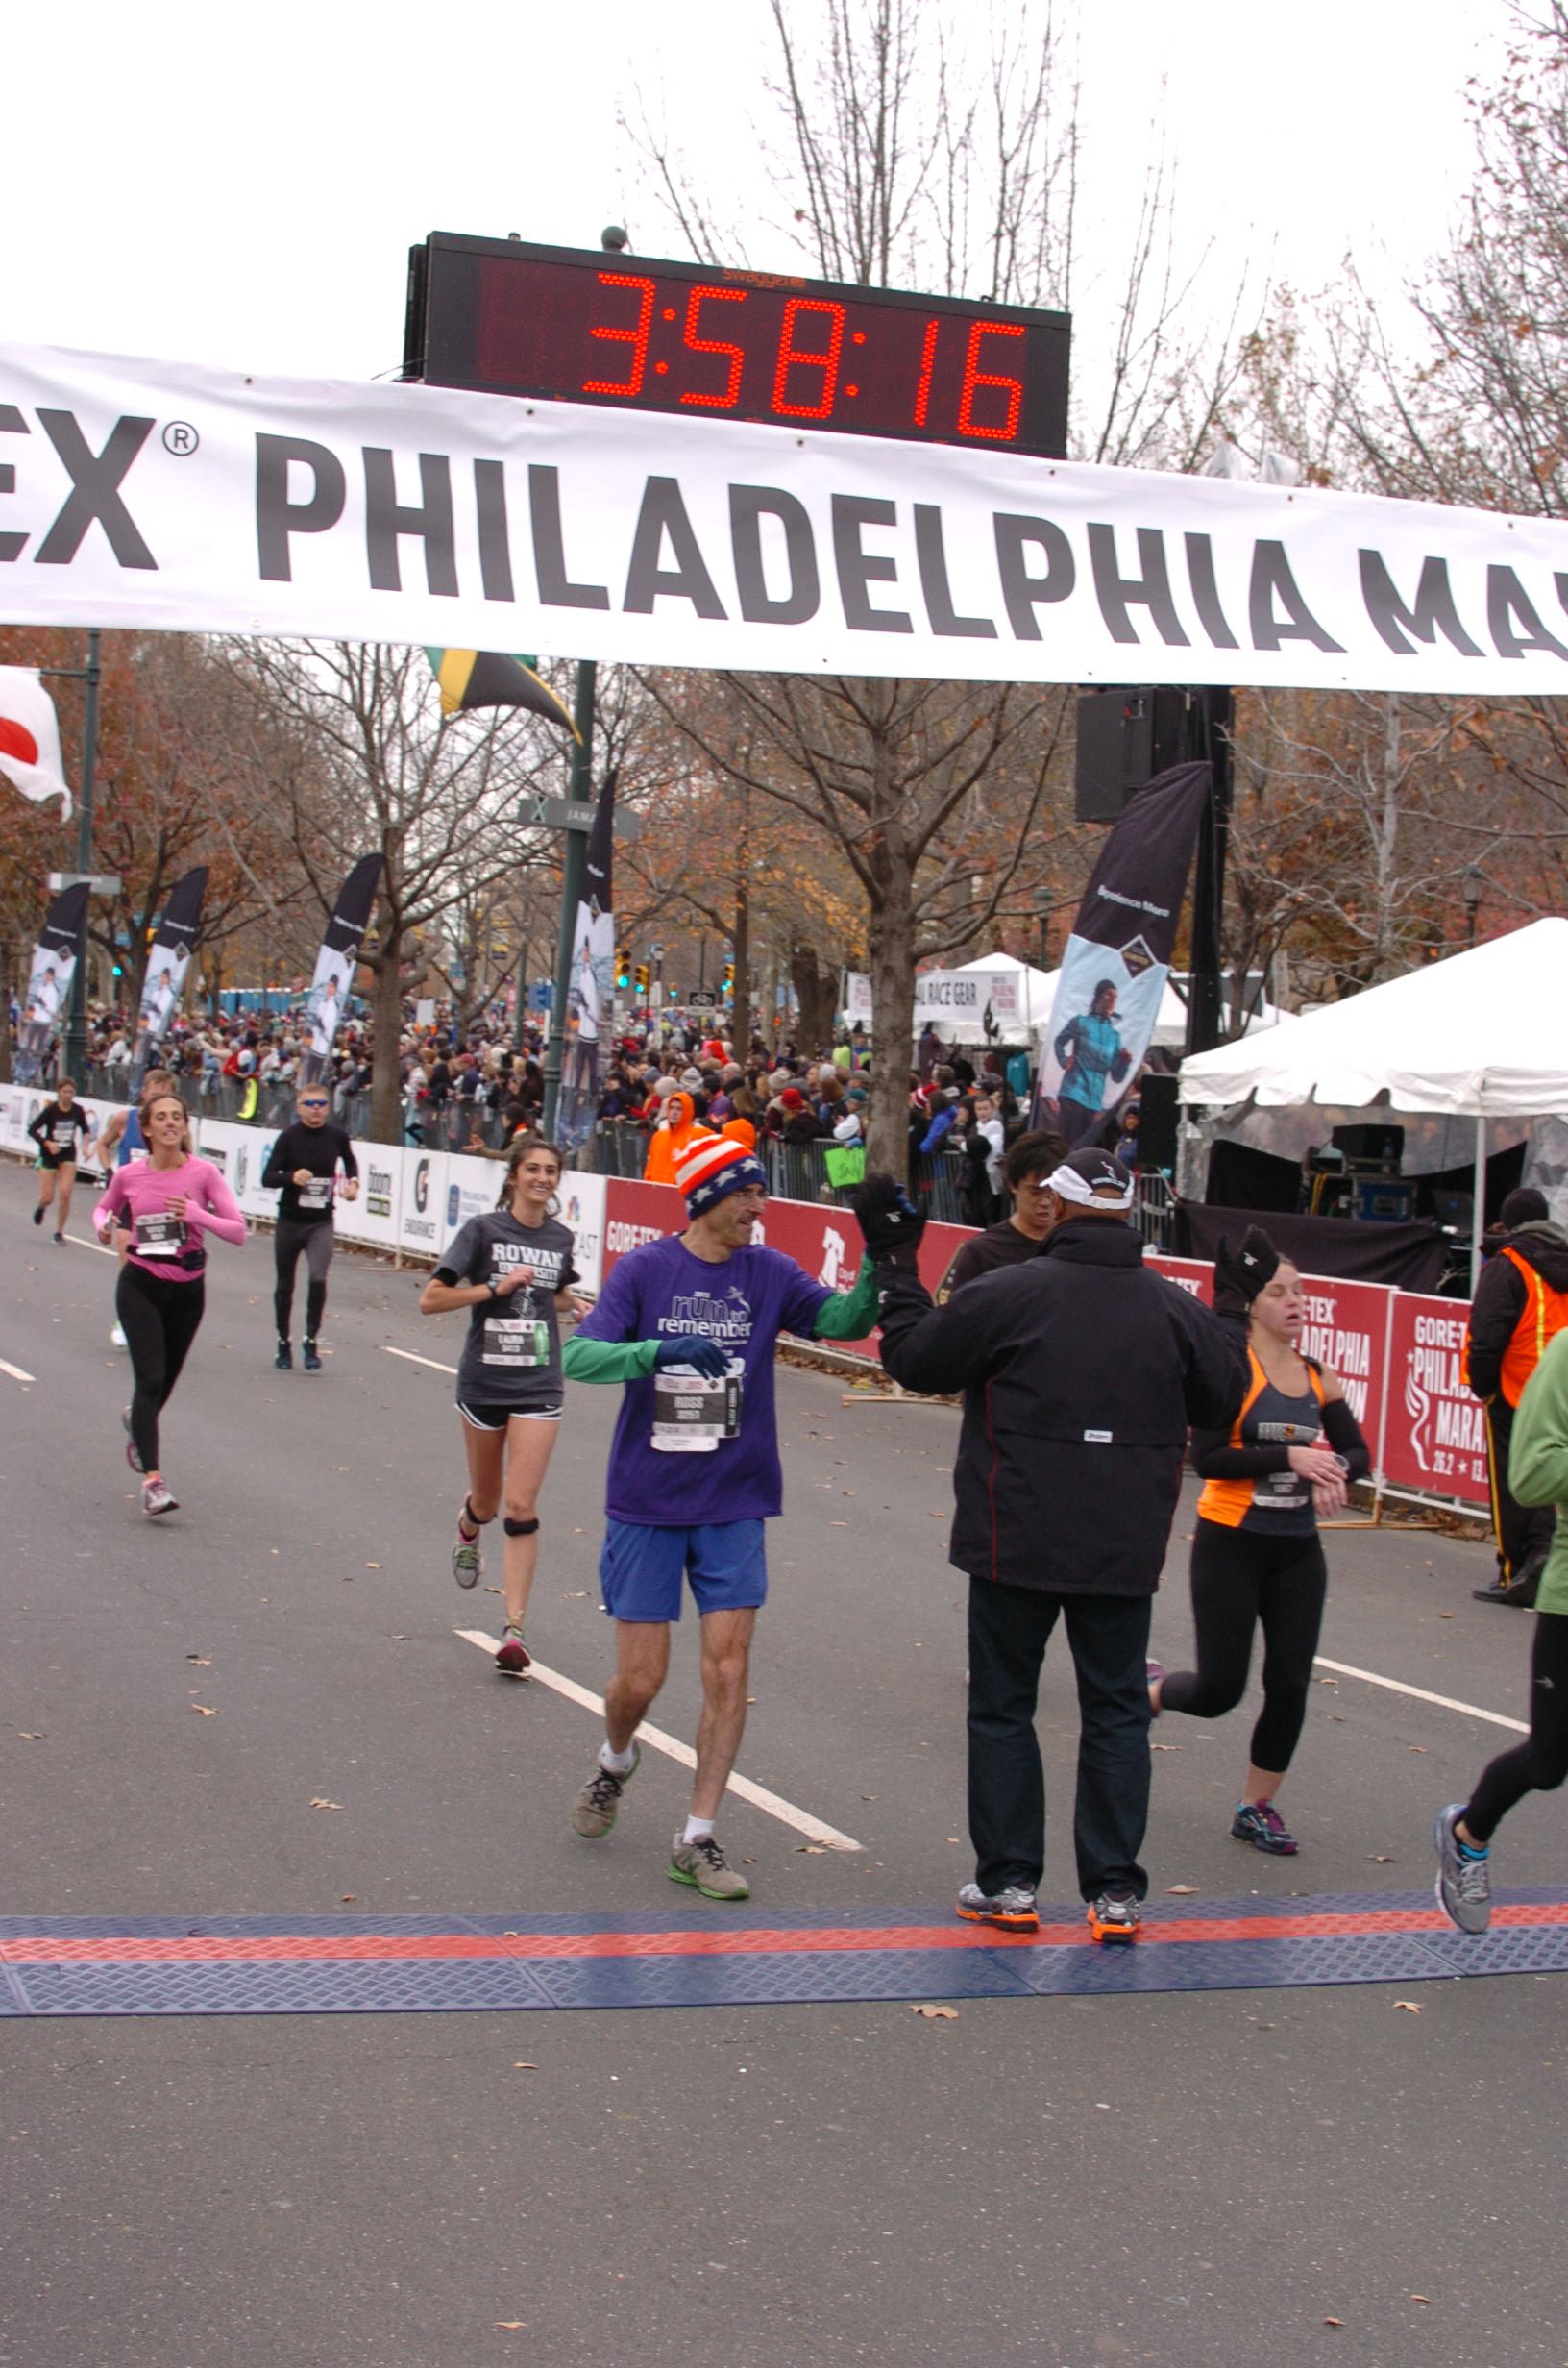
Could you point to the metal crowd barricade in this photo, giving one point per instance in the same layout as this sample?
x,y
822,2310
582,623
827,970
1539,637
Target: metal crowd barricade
x,y
1155,1209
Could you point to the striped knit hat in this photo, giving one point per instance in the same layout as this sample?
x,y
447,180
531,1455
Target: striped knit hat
x,y
714,1166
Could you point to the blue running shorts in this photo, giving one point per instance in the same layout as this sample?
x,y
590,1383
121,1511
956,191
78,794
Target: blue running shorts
x,y
641,1567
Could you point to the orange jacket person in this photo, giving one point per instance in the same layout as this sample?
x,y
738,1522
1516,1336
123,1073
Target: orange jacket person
x,y
1521,1302
675,1135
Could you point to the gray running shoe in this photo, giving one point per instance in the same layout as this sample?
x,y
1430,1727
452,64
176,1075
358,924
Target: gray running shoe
x,y
598,1805
466,1562
1014,1910
1114,1918
156,1498
1464,1882
704,1867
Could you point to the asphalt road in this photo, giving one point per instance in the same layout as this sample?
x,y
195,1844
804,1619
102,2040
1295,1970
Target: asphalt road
x,y
1262,2177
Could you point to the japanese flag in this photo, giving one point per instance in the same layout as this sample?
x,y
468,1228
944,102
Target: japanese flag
x,y
30,737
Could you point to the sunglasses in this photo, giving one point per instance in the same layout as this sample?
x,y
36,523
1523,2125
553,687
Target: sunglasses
x,y
313,1101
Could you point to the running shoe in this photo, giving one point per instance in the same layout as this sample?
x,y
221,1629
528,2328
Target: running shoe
x,y
59,1236
1464,1878
118,1339
284,1361
1260,1823
1013,1908
513,1659
156,1498
130,1455
312,1361
466,1562
1114,1918
598,1803
704,1867
37,1214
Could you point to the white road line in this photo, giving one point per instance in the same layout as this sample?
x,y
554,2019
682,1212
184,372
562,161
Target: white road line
x,y
408,1357
1419,1694
77,1243
16,1371
759,1796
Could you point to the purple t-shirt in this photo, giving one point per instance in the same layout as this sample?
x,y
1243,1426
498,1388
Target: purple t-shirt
x,y
743,1304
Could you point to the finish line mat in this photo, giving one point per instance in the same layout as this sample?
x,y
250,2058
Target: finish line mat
x,y
423,1965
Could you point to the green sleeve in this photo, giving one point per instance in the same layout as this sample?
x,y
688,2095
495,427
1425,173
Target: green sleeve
x,y
850,1314
607,1360
1539,1452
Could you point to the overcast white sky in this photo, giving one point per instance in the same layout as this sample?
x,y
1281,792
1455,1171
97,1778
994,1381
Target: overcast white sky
x,y
239,184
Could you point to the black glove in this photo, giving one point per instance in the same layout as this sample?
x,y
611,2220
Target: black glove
x,y
891,1225
1240,1275
690,1348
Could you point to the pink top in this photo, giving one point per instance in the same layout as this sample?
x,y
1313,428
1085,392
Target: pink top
x,y
139,1198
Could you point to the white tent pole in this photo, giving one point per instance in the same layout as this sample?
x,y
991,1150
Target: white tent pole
x,y
1479,1216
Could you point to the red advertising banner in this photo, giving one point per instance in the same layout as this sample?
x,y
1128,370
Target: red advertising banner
x,y
1194,1274
1435,1434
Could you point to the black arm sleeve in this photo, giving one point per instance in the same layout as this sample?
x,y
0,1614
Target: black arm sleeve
x,y
1215,1458
278,1169
40,1125
1344,1436
1496,1307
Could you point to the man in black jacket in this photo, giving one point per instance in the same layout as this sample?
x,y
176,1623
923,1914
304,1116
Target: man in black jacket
x,y
302,1168
1521,1302
1080,1372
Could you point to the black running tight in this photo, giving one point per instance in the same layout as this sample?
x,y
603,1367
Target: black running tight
x,y
1244,1578
1539,1763
159,1319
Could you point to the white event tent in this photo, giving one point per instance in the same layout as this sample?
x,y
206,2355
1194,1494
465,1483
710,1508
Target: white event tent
x,y
1481,1035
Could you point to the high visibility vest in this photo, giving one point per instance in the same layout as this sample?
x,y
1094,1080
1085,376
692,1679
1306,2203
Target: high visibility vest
x,y
1546,1312
1229,1501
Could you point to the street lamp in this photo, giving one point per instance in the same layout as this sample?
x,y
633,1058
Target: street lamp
x,y
1472,887
1044,903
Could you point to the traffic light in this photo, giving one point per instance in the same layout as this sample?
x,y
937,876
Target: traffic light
x,y
727,982
643,976
622,966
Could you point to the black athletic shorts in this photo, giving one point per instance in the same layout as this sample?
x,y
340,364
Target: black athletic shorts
x,y
497,1417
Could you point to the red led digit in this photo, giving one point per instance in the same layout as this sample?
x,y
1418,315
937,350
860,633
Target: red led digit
x,y
731,395
636,339
974,376
928,356
790,354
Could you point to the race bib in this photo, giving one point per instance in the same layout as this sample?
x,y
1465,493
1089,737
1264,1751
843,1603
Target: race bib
x,y
64,1138
1281,1492
159,1234
692,1416
317,1194
515,1340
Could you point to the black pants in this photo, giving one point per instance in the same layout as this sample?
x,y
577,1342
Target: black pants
x,y
1539,1763
314,1239
160,1318
1108,1636
1243,1580
1522,1530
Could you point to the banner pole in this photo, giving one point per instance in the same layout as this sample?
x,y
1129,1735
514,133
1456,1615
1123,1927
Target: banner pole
x,y
574,865
75,1064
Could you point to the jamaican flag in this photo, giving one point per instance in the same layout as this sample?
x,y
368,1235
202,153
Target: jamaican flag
x,y
489,679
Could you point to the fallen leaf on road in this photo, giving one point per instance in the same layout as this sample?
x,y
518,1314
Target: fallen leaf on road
x,y
1441,1616
1333,2322
812,1849
1420,1747
510,2324
1181,1891
524,2067
321,1804
838,1526
200,1661
202,1711
23,1736
1165,1747
869,1797
1426,2298
1405,2006
936,2014
377,1566
350,1899
1383,1858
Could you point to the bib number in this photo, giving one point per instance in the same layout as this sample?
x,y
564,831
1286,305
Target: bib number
x,y
65,1140
515,1340
160,1235
692,1416
317,1194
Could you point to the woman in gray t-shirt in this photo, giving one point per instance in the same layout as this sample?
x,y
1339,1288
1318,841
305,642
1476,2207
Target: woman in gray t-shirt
x,y
511,1270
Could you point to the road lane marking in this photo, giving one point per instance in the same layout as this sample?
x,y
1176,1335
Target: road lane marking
x,y
408,1357
672,1748
77,1243
16,1371
1419,1694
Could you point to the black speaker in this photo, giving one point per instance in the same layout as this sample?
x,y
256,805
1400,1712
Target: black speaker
x,y
1367,1145
1125,737
1156,1108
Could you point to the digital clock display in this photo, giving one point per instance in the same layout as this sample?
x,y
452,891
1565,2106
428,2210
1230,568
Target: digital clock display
x,y
507,318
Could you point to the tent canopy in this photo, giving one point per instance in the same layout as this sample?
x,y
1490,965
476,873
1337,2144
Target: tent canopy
x,y
1481,1035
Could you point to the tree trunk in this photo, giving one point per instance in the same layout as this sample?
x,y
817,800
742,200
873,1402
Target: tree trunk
x,y
5,992
740,1015
386,1032
814,989
892,1006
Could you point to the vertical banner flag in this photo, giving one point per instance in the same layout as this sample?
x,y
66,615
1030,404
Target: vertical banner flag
x,y
1118,959
593,981
333,981
30,755
166,966
49,981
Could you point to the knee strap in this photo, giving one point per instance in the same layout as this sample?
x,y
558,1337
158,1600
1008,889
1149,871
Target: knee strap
x,y
472,1517
519,1529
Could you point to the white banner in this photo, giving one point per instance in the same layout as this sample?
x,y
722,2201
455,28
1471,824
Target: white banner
x,y
420,1227
967,994
161,495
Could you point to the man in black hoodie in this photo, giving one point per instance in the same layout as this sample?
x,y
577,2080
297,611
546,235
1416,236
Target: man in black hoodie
x,y
1521,1302
1080,1369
